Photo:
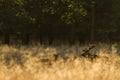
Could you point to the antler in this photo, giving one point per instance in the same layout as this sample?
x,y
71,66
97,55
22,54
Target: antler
x,y
91,47
87,51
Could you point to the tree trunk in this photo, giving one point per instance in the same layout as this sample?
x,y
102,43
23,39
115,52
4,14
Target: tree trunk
x,y
26,38
6,38
92,34
40,39
50,40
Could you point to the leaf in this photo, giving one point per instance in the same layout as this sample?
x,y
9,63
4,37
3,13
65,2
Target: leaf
x,y
70,6
83,12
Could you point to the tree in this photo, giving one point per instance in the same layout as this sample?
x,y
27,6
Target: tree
x,y
8,17
14,19
52,16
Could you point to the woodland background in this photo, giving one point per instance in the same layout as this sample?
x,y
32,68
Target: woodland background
x,y
24,21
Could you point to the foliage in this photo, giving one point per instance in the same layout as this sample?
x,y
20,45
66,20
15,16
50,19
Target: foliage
x,y
49,18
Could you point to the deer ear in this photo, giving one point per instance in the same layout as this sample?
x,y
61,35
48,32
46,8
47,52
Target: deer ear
x,y
83,50
93,46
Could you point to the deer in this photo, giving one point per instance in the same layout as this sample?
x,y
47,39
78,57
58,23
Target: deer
x,y
86,53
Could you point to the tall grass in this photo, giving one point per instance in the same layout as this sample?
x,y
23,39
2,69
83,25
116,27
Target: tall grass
x,y
37,63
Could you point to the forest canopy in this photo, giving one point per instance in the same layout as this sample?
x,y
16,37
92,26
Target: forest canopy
x,y
38,20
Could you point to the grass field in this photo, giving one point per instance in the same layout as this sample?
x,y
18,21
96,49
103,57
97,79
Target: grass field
x,y
37,63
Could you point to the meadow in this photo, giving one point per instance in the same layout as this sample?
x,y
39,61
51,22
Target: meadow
x,y
37,62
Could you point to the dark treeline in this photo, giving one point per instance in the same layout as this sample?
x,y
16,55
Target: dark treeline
x,y
72,20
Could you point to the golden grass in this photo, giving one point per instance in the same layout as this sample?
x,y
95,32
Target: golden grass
x,y
106,67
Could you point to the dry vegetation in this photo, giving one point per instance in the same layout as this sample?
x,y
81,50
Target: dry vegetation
x,y
38,63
